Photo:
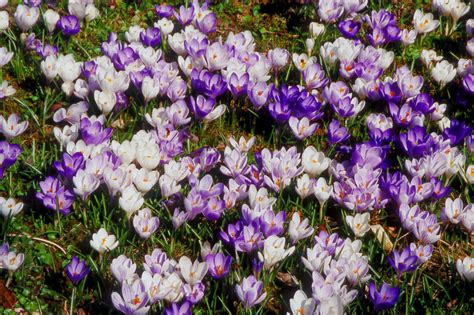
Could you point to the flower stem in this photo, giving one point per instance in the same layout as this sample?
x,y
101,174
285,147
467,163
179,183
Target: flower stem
x,y
73,295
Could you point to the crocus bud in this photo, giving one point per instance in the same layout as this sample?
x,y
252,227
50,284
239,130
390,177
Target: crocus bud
x,y
51,18
4,21
316,29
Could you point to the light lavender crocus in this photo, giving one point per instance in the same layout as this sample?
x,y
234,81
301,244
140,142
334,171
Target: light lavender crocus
x,y
133,300
5,56
12,127
145,224
26,17
123,268
250,292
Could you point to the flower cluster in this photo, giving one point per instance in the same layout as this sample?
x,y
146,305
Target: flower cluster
x,y
183,78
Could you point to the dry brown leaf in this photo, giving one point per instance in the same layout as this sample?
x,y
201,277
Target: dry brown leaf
x,y
382,237
7,298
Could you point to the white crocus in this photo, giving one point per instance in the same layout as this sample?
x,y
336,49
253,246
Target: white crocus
x,y
26,16
424,23
299,229
105,101
465,268
304,186
4,21
49,67
322,190
131,200
314,162
51,18
300,304
144,180
316,29
470,174
102,241
192,273
359,223
150,89
274,251
453,210
9,207
443,72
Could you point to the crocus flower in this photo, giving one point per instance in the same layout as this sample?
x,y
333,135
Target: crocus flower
x,y
102,241
337,133
424,23
299,229
403,262
12,261
464,267
69,25
384,299
274,251
5,56
177,309
76,270
192,273
349,28
133,300
164,10
151,37
145,224
12,126
26,16
123,268
85,184
302,128
250,292
443,72
51,19
219,265
4,21
456,132
9,207
359,223
301,304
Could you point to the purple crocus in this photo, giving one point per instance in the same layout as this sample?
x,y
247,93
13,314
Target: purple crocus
x,y
201,106
416,142
185,15
314,77
403,262
468,83
76,270
233,232
176,309
337,133
55,196
456,132
93,132
69,25
46,50
384,299
69,164
151,37
348,28
219,265
164,10
207,24
238,84
250,292
8,155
